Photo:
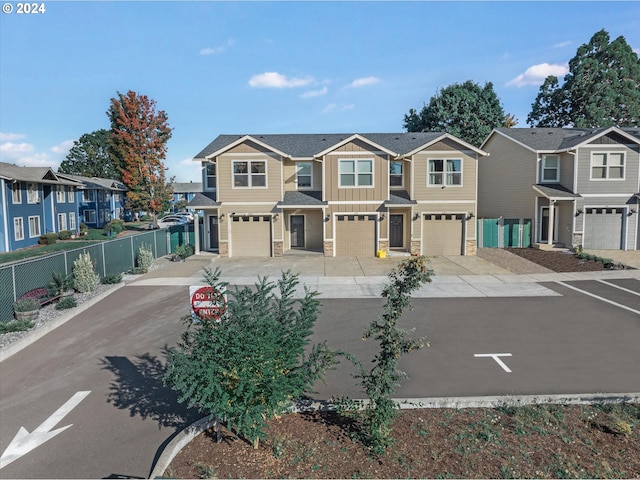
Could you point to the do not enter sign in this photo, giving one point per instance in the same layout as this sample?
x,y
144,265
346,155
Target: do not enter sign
x,y
206,303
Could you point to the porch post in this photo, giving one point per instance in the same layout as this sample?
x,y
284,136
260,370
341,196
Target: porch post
x,y
196,233
552,204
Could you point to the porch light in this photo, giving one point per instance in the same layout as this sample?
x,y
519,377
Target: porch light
x,y
631,212
579,212
276,217
327,218
416,216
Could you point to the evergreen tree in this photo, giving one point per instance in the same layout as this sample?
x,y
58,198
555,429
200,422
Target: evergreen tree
x,y
89,157
467,111
602,88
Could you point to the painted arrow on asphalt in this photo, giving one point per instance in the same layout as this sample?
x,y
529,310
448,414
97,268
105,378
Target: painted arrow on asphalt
x,y
24,441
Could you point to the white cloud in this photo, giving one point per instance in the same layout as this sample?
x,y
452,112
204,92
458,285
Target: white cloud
x,y
37,160
361,82
10,137
277,80
637,50
62,148
335,107
219,49
315,93
536,74
562,44
15,150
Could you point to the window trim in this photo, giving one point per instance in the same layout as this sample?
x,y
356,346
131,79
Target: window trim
x,y
542,169
88,198
84,215
310,175
62,225
16,192
607,166
35,218
214,177
249,175
355,172
72,221
444,173
16,229
401,174
70,195
33,196
61,195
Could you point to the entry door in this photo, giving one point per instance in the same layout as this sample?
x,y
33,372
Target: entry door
x,y
396,231
297,231
213,232
544,227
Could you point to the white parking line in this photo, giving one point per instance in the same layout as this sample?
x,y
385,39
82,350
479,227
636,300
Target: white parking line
x,y
619,287
598,297
496,357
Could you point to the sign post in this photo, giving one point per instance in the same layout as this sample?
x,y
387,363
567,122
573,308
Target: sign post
x,y
207,303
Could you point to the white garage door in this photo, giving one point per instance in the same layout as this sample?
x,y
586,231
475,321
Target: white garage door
x,y
251,236
355,235
442,234
603,228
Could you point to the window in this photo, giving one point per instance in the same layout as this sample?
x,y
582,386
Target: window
x,y
16,193
89,216
70,195
33,195
395,174
445,172
210,176
303,174
249,174
34,226
62,222
549,169
607,166
60,196
101,195
18,228
88,195
72,221
356,173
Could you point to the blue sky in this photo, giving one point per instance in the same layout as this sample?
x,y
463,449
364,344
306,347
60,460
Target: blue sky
x,y
274,67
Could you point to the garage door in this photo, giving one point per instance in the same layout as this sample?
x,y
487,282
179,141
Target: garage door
x,y
251,236
603,228
442,234
355,235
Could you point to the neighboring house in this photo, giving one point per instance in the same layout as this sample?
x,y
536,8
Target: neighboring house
x,y
343,195
35,201
580,187
100,200
184,192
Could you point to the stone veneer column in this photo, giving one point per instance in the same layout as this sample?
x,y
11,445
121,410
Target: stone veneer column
x,y
223,249
415,247
278,248
328,248
383,245
471,247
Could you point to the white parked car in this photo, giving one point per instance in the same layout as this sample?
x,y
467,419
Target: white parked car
x,y
188,215
171,220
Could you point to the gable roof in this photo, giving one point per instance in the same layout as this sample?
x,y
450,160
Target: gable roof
x,y
560,139
95,182
187,187
46,175
313,145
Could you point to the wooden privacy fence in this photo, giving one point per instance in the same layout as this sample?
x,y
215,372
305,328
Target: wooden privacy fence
x,y
504,232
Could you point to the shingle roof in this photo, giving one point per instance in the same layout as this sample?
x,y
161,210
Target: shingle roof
x,y
305,198
203,199
32,174
95,182
555,139
555,190
307,145
399,197
187,187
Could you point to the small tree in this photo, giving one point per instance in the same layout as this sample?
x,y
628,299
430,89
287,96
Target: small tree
x,y
85,278
251,364
381,381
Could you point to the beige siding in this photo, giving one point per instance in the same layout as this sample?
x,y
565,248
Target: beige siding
x,y
226,191
449,208
347,208
505,180
290,175
313,227
467,191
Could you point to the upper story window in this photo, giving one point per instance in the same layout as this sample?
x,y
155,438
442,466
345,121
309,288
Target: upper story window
x,y
356,173
607,166
210,176
88,195
303,174
250,173
549,168
60,194
33,195
70,195
395,174
447,172
16,193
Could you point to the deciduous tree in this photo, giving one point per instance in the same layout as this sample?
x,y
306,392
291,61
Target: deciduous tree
x,y
139,136
467,111
90,157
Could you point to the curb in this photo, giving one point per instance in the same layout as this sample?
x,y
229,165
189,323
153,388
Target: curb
x,y
192,431
41,331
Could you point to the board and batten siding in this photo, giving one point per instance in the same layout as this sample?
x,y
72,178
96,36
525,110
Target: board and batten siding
x,y
290,175
333,191
505,180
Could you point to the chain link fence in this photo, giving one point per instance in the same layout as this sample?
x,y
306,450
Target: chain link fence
x,y
110,257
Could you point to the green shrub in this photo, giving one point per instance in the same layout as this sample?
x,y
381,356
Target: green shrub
x,y
114,227
48,238
65,303
112,279
60,283
65,235
184,251
85,278
144,258
15,326
146,218
26,304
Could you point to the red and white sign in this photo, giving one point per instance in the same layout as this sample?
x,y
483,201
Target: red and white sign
x,y
207,303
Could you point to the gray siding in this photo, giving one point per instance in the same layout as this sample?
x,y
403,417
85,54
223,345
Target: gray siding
x,y
627,186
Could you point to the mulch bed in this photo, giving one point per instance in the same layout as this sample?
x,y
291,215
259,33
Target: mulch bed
x,y
558,261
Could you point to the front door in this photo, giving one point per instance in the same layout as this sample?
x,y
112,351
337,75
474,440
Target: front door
x,y
544,225
396,231
213,232
297,231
